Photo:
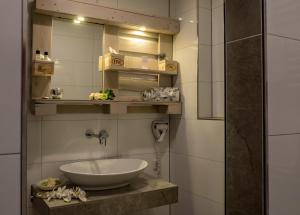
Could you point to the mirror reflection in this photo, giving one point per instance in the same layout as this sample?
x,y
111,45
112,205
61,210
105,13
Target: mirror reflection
x,y
76,50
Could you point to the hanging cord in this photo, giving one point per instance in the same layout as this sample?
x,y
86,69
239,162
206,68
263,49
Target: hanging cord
x,y
157,162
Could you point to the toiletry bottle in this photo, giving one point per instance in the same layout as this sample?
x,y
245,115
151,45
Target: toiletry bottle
x,y
46,56
38,55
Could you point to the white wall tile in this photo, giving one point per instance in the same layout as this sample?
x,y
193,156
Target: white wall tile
x,y
218,59
10,76
284,151
204,64
154,7
189,100
195,205
151,158
34,142
218,25
65,140
217,3
75,92
204,99
283,18
188,31
199,176
188,69
10,184
72,48
188,57
205,4
135,137
283,59
218,99
67,28
52,169
198,138
69,72
205,26
284,174
183,6
76,50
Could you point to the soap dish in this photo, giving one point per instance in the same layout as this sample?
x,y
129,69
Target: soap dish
x,y
49,184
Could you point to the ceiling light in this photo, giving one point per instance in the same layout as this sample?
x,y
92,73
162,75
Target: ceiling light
x,y
180,19
142,28
80,18
76,21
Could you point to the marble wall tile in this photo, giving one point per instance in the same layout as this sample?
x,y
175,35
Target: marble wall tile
x,y
244,73
243,19
245,110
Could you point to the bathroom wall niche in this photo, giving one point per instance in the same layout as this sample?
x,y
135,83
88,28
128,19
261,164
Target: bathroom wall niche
x,y
211,61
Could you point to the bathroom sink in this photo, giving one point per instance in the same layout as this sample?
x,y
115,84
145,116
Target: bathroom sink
x,y
103,174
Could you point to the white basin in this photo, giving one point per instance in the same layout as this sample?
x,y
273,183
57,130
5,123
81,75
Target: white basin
x,y
103,174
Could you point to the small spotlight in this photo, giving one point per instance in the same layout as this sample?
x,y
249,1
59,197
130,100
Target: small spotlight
x,y
80,18
76,21
191,21
180,19
143,28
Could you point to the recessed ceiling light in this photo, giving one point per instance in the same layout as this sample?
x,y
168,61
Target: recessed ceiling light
x,y
80,18
180,19
76,21
142,28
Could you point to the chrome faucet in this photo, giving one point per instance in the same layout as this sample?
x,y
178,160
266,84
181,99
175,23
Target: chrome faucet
x,y
102,135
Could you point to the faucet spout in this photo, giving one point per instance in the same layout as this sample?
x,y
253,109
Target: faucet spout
x,y
101,136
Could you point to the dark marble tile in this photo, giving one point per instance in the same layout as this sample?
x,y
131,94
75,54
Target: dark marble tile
x,y
244,73
244,193
245,128
244,159
244,139
243,18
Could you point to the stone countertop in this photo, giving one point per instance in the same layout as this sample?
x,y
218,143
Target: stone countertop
x,y
143,193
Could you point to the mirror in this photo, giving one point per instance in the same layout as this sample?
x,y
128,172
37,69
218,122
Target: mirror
x,y
211,49
76,48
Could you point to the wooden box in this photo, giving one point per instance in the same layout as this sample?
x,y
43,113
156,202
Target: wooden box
x,y
168,66
42,68
113,61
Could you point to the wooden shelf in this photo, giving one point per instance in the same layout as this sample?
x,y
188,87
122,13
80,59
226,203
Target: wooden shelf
x,y
140,71
51,107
